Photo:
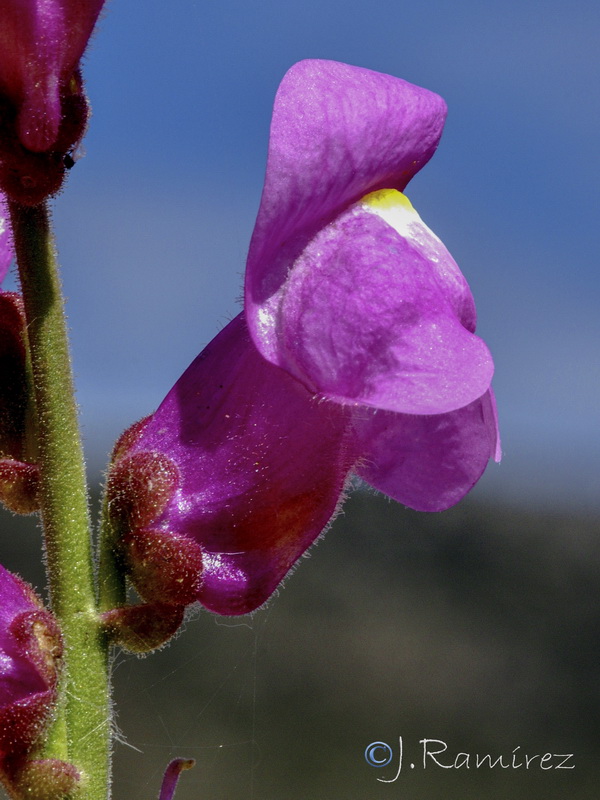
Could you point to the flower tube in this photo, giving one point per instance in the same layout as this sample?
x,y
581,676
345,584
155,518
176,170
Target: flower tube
x,y
229,482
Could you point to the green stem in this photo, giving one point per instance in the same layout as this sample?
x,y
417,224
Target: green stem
x,y
112,591
83,717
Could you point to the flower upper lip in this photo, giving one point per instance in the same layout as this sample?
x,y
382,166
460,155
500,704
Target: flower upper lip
x,y
338,132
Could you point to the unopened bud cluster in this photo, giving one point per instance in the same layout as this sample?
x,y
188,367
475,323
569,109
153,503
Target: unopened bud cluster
x,y
31,655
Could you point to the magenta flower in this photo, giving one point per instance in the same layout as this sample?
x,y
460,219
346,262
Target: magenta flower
x,y
43,109
30,659
361,354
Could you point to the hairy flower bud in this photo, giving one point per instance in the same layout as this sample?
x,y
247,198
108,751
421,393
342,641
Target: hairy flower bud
x,y
30,663
128,438
43,108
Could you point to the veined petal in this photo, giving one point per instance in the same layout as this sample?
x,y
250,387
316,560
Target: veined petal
x,y
6,245
428,462
338,132
371,314
262,467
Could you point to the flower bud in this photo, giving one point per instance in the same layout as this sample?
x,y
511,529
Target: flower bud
x,y
43,108
30,659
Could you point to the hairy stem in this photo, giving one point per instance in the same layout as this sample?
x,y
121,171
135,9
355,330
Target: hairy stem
x,y
81,732
111,580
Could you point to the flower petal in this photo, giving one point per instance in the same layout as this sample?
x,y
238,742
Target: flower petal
x,y
262,467
367,317
428,462
338,132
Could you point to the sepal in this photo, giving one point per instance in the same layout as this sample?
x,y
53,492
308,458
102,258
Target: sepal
x,y
19,486
128,439
164,567
139,488
46,779
142,628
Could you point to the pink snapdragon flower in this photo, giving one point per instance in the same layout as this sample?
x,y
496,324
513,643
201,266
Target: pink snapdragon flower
x,y
356,353
43,109
30,662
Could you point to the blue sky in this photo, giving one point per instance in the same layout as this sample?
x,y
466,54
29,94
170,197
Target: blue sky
x,y
155,221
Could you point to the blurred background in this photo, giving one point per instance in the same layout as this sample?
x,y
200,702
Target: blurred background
x,y
478,626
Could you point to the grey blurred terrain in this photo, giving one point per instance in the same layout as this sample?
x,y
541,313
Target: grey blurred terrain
x,y
477,627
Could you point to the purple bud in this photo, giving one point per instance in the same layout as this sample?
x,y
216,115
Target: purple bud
x,y
30,662
43,109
